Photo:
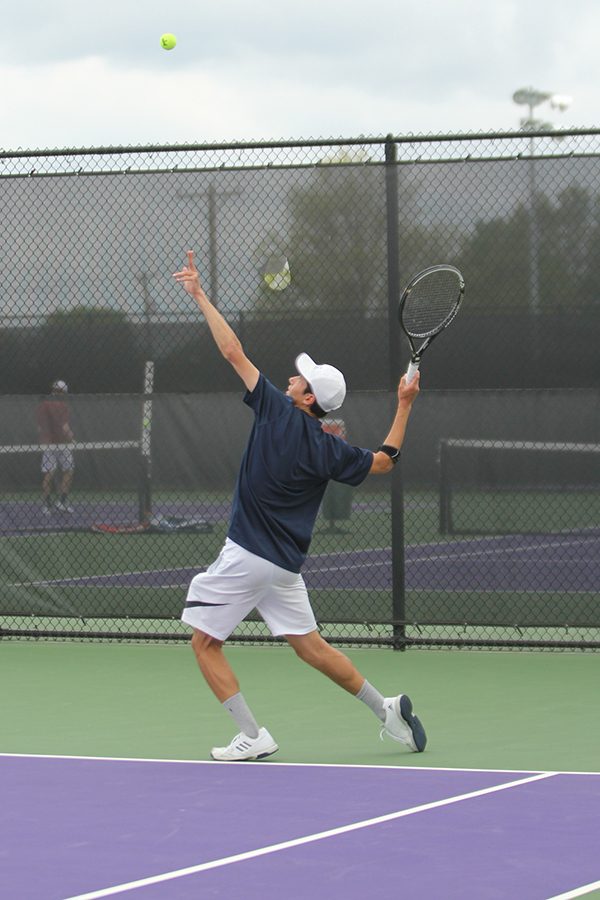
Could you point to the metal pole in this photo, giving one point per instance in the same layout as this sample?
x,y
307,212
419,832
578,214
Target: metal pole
x,y
397,492
212,244
534,255
211,194
144,280
145,486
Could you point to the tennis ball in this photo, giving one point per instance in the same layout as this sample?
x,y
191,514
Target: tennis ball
x,y
168,41
279,280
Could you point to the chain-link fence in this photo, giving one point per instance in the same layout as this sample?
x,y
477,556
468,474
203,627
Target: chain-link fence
x,y
490,534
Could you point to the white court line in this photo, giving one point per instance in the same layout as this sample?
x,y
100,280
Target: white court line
x,y
348,564
77,579
492,551
281,765
577,892
297,842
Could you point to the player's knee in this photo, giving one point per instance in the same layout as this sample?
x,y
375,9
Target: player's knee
x,y
199,640
203,643
312,651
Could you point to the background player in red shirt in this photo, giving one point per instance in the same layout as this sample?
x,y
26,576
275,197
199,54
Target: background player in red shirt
x,y
54,429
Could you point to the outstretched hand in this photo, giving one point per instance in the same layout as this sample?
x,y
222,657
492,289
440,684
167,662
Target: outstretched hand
x,y
189,276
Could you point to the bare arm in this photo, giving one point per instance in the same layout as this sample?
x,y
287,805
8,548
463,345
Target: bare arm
x,y
225,337
41,422
407,394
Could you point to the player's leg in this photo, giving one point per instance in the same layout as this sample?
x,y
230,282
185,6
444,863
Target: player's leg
x,y
66,480
65,486
395,713
312,649
286,609
214,666
48,471
252,742
217,601
47,484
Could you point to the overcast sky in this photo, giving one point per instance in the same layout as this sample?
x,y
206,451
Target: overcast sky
x,y
81,74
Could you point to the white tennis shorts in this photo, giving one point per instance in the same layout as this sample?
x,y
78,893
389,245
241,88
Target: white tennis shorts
x,y
58,459
238,582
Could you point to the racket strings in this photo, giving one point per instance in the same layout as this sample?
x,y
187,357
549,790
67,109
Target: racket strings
x,y
431,303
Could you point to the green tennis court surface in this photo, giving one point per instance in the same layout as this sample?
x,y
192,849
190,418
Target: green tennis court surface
x,y
507,710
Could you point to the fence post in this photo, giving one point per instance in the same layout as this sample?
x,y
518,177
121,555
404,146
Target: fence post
x,y
396,488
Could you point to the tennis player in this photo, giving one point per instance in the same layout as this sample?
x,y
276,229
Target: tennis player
x,y
54,428
285,469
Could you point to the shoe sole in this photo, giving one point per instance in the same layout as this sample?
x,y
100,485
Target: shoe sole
x,y
414,723
256,758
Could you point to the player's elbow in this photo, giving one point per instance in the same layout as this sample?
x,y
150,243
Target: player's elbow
x,y
382,464
232,350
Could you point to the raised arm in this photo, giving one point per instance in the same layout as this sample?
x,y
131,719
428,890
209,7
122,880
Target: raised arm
x,y
225,337
383,462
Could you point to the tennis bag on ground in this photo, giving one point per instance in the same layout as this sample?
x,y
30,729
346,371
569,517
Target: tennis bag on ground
x,y
169,524
158,525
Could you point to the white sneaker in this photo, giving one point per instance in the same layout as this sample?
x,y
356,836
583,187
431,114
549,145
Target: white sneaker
x,y
46,511
64,507
244,747
401,725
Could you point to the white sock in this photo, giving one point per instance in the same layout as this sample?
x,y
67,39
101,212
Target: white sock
x,y
240,711
374,700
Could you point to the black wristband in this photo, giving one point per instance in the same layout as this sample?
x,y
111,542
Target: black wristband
x,y
392,452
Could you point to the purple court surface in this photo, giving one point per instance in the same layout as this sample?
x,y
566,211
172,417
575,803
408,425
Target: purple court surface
x,y
514,563
164,830
563,563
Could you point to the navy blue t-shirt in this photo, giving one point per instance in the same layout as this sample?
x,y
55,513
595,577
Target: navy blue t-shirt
x,y
283,475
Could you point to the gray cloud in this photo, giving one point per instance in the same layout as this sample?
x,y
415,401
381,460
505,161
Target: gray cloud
x,y
326,67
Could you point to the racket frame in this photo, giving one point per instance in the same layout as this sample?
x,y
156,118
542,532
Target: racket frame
x,y
417,353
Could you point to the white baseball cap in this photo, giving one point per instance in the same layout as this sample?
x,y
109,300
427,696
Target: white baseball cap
x,y
60,386
327,382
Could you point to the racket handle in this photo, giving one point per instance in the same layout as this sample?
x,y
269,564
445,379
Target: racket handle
x,y
412,370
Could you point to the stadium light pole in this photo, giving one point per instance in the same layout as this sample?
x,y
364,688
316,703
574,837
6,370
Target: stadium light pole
x,y
144,279
210,197
532,98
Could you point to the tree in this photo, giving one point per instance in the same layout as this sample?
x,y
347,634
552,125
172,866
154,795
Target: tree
x,y
497,257
495,262
335,244
17,361
95,350
569,271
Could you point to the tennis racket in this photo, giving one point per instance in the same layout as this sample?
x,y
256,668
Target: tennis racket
x,y
427,306
276,272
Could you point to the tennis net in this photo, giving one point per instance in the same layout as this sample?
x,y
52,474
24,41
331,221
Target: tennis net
x,y
518,487
110,486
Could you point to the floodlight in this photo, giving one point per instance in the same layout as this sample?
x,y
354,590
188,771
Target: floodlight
x,y
530,97
560,101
